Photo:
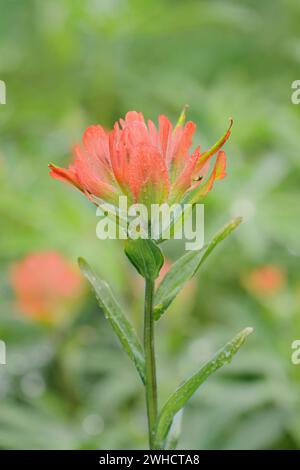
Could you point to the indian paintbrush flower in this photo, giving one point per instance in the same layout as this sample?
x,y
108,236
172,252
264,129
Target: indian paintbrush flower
x,y
147,163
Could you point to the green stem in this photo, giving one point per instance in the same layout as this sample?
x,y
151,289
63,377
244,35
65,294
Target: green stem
x,y
151,388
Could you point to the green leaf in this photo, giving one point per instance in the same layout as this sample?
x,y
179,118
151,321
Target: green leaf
x,y
185,268
145,256
116,317
180,397
175,431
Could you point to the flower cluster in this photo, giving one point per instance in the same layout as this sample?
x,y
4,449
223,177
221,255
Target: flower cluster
x,y
149,164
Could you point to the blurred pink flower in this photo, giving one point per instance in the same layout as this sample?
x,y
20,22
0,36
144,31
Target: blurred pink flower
x,y
165,268
45,285
265,280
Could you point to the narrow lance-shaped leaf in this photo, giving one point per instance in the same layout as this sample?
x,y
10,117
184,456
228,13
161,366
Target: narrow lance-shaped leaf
x,y
180,397
116,317
175,431
185,268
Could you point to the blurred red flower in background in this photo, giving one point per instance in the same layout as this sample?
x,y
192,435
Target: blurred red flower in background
x,y
46,285
147,163
165,268
265,280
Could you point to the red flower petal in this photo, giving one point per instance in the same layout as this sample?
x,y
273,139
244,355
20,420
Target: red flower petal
x,y
91,176
179,154
218,173
65,175
165,130
149,180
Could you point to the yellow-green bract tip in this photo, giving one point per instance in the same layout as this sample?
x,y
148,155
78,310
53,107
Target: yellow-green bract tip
x,y
248,330
237,220
181,119
81,261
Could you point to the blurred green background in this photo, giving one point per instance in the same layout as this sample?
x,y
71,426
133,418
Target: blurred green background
x,y
70,63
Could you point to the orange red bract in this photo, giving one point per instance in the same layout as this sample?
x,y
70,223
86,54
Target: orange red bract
x,y
45,285
149,164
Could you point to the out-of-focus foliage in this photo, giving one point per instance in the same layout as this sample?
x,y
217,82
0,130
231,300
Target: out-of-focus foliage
x,y
68,64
